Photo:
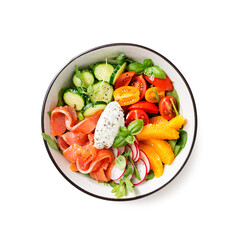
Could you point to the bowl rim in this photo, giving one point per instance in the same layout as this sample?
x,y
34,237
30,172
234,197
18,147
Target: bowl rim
x,y
101,47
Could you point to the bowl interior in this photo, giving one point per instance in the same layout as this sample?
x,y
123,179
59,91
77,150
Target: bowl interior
x,y
187,109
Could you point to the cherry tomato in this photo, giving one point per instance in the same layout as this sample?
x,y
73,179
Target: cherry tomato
x,y
137,114
126,95
166,108
150,95
139,82
144,105
124,79
165,84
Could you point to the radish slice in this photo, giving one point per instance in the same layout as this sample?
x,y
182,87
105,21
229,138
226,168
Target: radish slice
x,y
145,158
116,173
138,152
115,152
121,150
134,152
130,176
136,140
142,170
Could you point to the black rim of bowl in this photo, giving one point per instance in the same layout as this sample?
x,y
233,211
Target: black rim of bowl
x,y
195,116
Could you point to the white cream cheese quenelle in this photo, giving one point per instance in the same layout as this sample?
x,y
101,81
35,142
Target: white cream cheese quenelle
x,y
108,125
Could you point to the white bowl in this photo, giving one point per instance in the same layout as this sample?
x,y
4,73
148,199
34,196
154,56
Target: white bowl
x,y
187,109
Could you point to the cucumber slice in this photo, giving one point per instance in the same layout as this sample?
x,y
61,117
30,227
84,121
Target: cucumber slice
x,y
80,116
87,79
92,108
119,69
74,99
101,91
103,71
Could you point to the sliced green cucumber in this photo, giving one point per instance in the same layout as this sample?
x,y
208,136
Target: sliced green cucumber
x,y
80,116
103,71
101,91
92,108
87,79
119,69
74,99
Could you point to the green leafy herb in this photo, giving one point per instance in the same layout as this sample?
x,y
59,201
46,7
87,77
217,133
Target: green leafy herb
x,y
136,67
136,126
121,57
126,135
49,113
155,71
174,107
130,139
172,143
120,162
150,175
135,169
148,63
129,184
127,154
178,145
128,171
60,97
174,94
50,141
155,94
119,189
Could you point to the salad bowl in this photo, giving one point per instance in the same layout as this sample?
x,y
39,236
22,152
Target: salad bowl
x,y
187,108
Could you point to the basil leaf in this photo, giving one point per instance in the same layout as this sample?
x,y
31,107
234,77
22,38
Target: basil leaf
x,y
130,139
129,184
123,131
136,67
120,162
50,141
174,94
119,141
136,126
150,175
156,71
148,63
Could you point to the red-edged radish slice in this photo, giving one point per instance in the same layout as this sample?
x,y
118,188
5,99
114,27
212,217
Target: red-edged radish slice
x,y
130,176
121,150
137,157
136,140
115,152
134,153
145,158
142,170
116,173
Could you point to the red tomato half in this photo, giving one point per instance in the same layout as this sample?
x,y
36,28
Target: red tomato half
x,y
139,82
124,79
145,106
164,84
166,108
137,114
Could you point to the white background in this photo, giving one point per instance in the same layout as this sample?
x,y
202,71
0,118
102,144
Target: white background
x,y
201,38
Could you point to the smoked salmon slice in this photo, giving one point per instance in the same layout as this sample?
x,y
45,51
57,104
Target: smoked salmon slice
x,y
62,118
61,143
75,138
88,124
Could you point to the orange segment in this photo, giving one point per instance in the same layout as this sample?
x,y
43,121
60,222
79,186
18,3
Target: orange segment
x,y
154,158
157,131
158,120
163,149
176,122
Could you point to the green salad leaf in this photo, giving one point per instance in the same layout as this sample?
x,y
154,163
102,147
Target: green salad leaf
x,y
120,162
50,141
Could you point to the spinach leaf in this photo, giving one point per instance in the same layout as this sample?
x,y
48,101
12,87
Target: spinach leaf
x,y
150,175
174,94
181,142
50,141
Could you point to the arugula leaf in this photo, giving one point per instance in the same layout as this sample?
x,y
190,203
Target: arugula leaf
x,y
119,189
127,172
129,185
127,154
135,169
120,162
150,175
50,141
